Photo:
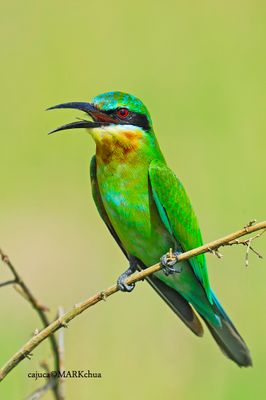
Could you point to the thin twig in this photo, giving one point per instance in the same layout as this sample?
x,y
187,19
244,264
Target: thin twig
x,y
6,283
19,281
102,295
25,291
61,351
246,242
49,385
52,381
37,394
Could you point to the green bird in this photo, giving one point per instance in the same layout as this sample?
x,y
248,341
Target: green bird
x,y
147,211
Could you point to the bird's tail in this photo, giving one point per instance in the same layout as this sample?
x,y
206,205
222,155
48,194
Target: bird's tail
x,y
178,304
225,334
228,338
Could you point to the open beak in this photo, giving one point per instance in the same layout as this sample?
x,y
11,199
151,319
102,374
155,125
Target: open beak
x,y
99,117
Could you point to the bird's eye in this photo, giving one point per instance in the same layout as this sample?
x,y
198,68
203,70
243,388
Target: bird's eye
x,y
122,112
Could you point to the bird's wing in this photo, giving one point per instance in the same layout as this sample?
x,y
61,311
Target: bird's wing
x,y
99,203
178,216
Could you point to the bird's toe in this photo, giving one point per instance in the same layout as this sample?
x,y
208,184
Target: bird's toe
x,y
124,287
169,266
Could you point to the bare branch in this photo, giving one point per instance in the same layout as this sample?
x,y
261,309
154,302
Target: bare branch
x,y
63,320
246,242
61,351
49,385
52,380
37,394
6,283
26,293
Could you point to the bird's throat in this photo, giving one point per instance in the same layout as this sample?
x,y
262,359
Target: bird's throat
x,y
117,142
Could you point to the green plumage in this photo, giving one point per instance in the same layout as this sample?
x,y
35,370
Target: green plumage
x,y
171,198
147,211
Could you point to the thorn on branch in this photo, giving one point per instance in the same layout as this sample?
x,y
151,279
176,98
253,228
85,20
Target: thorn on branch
x,y
103,296
27,355
62,323
4,257
215,252
251,223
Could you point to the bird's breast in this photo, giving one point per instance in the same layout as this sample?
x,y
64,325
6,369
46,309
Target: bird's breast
x,y
128,202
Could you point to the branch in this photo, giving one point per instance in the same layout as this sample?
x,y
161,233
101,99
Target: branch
x,y
25,291
6,283
53,381
61,353
49,385
63,321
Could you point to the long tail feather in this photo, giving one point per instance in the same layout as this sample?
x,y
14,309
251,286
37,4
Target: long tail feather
x,y
225,334
228,338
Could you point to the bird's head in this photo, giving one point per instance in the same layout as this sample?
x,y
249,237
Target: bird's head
x,y
113,109
119,123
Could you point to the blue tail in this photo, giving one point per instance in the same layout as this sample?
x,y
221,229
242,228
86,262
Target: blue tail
x,y
228,338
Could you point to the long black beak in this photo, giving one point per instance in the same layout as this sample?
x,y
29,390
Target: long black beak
x,y
99,117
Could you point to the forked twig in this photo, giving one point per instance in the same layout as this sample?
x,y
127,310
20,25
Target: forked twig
x,y
24,290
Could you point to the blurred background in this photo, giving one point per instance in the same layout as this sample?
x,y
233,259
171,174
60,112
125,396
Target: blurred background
x,y
200,69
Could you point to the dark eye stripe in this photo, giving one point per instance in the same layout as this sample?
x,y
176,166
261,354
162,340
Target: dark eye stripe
x,y
133,118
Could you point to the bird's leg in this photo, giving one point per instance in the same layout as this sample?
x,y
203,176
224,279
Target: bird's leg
x,y
168,262
121,279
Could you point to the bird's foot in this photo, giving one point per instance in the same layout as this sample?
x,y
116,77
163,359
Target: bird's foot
x,y
168,262
123,286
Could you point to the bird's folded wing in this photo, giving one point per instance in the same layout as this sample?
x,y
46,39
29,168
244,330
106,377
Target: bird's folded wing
x,y
178,216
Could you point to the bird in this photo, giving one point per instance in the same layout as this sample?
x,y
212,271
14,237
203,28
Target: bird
x,y
147,211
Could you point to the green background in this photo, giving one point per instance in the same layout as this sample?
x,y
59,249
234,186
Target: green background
x,y
200,69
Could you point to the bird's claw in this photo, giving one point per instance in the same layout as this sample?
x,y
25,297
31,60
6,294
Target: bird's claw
x,y
124,287
168,265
